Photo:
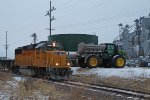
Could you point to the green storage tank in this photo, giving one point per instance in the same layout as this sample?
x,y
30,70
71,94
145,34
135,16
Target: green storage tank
x,y
70,41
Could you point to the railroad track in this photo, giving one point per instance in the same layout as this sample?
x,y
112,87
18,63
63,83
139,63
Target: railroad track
x,y
100,88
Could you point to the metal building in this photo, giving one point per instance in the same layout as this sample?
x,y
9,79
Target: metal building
x,y
137,42
70,41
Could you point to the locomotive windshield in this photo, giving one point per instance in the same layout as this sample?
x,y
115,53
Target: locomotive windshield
x,y
49,46
39,45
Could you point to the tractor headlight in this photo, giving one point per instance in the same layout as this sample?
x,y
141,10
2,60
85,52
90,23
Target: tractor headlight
x,y
57,64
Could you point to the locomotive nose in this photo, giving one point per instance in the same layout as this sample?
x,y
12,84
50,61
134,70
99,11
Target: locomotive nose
x,y
60,59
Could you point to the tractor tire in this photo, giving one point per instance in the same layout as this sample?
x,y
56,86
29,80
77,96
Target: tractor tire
x,y
81,63
92,61
118,61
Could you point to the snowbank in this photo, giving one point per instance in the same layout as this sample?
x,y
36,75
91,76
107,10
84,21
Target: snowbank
x,y
127,72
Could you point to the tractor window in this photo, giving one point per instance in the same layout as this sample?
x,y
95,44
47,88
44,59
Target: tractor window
x,y
110,49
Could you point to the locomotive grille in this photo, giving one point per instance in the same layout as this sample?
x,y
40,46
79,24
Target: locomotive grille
x,y
58,59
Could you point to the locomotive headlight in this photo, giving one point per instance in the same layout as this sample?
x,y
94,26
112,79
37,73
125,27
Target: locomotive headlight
x,y
57,64
54,44
68,64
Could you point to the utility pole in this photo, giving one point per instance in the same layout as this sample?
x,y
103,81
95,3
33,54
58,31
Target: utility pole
x,y
6,46
49,13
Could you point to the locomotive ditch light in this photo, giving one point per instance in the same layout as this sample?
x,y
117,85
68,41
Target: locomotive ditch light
x,y
68,64
57,64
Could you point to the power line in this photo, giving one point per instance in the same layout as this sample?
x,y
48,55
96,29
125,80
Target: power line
x,y
98,28
102,19
88,8
70,4
63,5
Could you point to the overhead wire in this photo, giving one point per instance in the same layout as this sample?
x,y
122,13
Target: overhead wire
x,y
62,4
102,19
97,28
86,23
71,4
38,19
94,21
83,10
87,9
33,25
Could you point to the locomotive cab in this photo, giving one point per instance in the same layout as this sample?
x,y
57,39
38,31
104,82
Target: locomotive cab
x,y
55,55
49,46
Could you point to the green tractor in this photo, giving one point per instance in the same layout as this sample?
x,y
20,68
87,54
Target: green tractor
x,y
106,55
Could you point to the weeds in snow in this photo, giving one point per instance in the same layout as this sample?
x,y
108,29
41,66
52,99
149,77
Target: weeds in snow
x,y
36,89
5,76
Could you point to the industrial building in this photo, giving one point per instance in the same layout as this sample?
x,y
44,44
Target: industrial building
x,y
135,39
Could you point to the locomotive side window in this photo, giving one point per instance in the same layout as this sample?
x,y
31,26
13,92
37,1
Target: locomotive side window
x,y
39,45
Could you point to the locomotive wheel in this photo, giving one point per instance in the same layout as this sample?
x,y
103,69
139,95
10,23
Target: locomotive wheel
x,y
118,61
92,61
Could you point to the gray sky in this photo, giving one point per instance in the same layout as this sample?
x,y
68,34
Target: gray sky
x,y
21,18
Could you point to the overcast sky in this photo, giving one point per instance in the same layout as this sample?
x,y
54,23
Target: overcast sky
x,y
21,18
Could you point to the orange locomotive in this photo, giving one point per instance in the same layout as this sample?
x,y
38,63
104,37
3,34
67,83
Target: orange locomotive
x,y
43,59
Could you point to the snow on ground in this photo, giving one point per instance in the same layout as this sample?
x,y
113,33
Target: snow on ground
x,y
9,90
126,72
17,78
4,96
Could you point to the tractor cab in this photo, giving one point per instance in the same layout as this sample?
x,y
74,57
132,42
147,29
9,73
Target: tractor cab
x,y
112,57
111,49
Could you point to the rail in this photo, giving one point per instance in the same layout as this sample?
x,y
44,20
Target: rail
x,y
100,88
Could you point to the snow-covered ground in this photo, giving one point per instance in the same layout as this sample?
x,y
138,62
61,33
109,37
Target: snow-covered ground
x,y
126,72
